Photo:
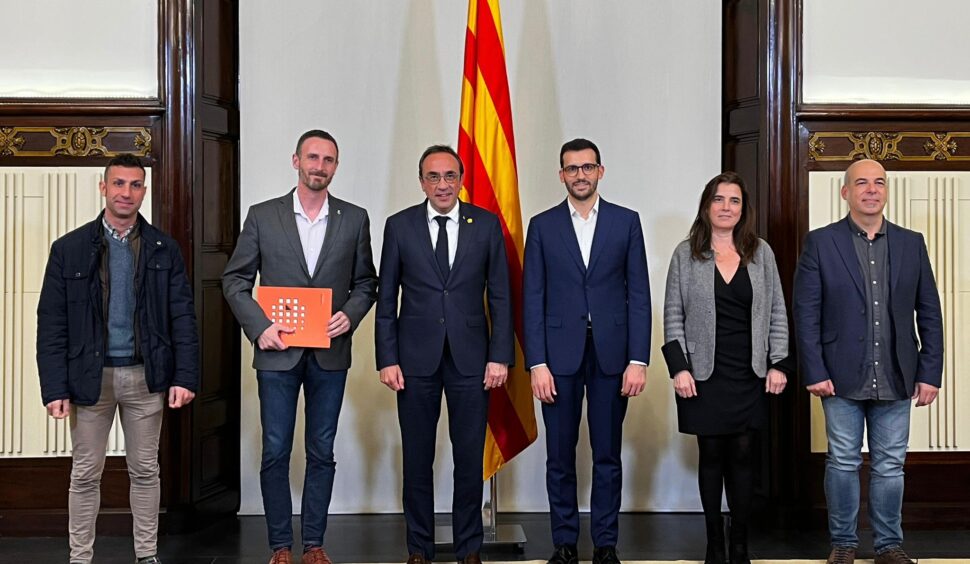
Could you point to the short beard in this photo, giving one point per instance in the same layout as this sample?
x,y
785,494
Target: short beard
x,y
580,197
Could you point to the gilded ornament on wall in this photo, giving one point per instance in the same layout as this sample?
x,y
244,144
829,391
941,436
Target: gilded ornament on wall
x,y
74,141
888,146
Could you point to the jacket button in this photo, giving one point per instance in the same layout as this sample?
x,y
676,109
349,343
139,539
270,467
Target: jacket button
x,y
861,338
158,243
97,353
441,320
77,274
446,292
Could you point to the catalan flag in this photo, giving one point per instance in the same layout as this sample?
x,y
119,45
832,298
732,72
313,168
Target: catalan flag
x,y
487,148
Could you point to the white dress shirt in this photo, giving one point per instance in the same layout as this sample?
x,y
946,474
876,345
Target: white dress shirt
x,y
451,227
312,233
584,228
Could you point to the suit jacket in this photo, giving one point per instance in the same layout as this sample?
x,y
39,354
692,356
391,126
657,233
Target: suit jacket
x,y
432,307
830,310
270,244
559,291
689,310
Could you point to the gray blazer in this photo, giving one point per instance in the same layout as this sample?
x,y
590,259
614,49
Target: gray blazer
x,y
689,312
270,244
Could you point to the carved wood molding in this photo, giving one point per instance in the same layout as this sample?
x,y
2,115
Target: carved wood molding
x,y
25,141
912,146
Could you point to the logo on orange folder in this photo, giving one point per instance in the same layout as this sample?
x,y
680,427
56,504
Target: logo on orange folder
x,y
306,310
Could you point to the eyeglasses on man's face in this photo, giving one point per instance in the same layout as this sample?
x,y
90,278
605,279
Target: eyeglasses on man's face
x,y
587,168
434,178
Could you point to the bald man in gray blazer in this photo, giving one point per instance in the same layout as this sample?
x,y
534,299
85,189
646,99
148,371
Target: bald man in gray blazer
x,y
308,239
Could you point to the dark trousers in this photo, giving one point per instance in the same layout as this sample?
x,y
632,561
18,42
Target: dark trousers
x,y
418,409
323,392
605,411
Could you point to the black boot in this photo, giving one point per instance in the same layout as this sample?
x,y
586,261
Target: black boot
x,y
715,541
738,544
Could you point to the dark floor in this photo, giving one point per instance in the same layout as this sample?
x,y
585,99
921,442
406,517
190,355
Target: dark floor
x,y
380,538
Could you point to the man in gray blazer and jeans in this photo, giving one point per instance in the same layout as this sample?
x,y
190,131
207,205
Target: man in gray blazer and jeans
x,y
306,238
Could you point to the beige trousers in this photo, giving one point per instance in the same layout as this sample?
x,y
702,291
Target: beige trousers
x,y
141,411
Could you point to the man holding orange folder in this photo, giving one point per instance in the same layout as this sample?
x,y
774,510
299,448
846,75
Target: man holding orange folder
x,y
305,239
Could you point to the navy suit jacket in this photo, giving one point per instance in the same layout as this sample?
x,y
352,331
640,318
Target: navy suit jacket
x,y
559,291
830,310
432,307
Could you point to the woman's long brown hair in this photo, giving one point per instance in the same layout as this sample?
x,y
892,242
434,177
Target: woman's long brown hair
x,y
745,239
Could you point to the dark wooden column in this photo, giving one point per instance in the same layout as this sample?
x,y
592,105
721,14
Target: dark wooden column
x,y
201,454
759,44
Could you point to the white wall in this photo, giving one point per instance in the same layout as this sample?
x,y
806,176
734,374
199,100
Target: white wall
x,y
886,51
641,79
71,49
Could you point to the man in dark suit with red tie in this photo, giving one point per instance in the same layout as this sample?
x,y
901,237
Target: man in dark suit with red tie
x,y
445,259
587,333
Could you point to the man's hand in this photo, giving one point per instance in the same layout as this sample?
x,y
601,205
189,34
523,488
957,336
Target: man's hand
x,y
270,339
684,384
495,375
822,389
924,394
179,397
543,385
339,324
392,377
634,380
776,381
59,409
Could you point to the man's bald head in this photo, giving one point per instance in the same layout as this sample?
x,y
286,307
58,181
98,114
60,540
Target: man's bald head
x,y
868,165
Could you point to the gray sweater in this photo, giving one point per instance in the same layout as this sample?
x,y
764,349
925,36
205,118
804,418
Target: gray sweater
x,y
689,312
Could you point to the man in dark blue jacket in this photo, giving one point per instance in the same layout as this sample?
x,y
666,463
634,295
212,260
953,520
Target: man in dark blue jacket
x,y
116,330
586,299
858,284
445,259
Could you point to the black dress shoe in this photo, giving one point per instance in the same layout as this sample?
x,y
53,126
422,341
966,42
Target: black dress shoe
x,y
564,554
605,555
471,558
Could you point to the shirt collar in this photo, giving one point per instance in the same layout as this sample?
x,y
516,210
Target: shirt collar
x,y
862,233
452,215
593,213
114,233
298,207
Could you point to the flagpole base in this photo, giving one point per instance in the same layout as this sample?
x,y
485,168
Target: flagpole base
x,y
501,537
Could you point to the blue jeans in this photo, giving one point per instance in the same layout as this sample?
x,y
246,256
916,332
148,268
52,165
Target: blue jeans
x,y
888,428
323,392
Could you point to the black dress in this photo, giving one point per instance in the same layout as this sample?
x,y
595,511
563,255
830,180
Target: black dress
x,y
733,399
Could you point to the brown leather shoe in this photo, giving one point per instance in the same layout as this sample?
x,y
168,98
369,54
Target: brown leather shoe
x,y
316,555
842,555
893,556
418,559
282,556
472,558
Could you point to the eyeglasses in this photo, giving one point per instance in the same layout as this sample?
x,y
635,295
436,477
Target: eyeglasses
x,y
434,178
573,170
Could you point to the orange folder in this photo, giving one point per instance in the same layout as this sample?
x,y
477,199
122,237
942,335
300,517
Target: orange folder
x,y
308,310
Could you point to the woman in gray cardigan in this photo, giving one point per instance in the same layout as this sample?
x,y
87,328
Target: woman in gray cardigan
x,y
726,334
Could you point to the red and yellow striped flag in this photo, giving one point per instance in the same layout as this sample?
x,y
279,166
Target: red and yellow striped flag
x,y
487,148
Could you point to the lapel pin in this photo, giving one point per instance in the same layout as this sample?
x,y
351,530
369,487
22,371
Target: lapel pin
x,y
469,220
158,242
338,212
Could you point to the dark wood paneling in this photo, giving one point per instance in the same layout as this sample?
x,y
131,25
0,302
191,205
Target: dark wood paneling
x,y
220,33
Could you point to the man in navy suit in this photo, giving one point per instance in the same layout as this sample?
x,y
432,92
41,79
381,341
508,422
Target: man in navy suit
x,y
858,283
587,331
446,258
